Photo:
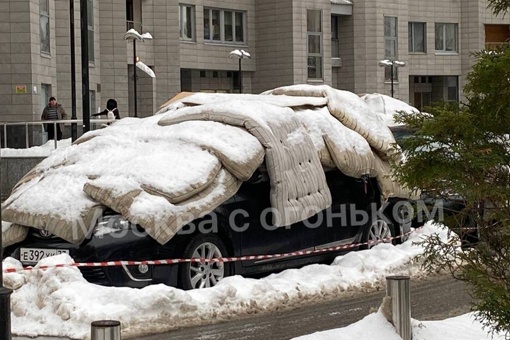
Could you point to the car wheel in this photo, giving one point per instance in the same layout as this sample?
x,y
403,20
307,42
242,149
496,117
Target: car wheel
x,y
204,274
377,231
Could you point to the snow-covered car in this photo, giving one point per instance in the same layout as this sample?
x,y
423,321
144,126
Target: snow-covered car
x,y
279,177
240,227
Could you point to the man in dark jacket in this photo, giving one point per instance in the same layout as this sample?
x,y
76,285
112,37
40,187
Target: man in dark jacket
x,y
54,111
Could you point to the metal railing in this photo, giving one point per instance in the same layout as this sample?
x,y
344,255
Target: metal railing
x,y
492,46
137,25
95,124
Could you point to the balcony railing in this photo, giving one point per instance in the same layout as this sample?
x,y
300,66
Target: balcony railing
x,y
137,25
492,46
28,134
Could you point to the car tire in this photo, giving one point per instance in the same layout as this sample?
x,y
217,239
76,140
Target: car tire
x,y
194,275
377,231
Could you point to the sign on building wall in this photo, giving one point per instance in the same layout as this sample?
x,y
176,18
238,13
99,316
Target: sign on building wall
x,y
21,89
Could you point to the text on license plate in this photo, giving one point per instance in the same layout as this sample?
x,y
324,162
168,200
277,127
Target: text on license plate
x,y
34,255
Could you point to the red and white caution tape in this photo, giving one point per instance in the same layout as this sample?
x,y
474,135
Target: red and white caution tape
x,y
204,260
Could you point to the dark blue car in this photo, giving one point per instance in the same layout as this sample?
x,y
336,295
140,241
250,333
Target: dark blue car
x,y
241,226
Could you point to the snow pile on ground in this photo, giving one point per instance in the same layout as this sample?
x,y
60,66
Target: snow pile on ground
x,y
59,302
375,326
36,151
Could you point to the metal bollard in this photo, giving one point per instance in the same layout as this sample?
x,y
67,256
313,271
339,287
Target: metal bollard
x,y
398,289
105,330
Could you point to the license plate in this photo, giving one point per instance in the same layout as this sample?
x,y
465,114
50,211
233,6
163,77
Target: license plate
x,y
34,255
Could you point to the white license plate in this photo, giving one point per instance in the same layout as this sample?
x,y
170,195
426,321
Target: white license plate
x,y
34,255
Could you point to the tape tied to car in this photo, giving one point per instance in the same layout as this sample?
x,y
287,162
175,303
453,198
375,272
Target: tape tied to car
x,y
203,260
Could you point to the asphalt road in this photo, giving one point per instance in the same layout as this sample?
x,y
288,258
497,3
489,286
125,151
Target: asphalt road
x,y
433,298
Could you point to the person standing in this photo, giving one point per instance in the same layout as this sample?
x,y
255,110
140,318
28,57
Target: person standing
x,y
111,110
54,111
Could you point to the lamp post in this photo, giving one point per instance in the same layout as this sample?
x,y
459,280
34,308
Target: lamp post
x,y
391,64
5,294
240,54
133,35
74,127
85,90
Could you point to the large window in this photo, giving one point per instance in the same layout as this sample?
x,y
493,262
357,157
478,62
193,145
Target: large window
x,y
417,37
446,38
335,41
224,26
314,37
390,45
44,24
187,22
90,28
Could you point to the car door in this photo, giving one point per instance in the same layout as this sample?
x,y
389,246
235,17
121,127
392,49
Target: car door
x,y
340,223
253,219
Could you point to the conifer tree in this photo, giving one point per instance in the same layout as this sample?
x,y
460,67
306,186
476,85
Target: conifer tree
x,y
461,153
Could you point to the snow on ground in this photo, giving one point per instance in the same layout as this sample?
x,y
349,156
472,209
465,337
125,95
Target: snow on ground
x,y
375,326
59,302
36,151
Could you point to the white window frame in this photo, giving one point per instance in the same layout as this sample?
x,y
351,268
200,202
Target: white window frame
x,y
208,20
44,15
441,38
184,9
413,37
318,66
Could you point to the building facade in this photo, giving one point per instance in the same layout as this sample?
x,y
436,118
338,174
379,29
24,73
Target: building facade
x,y
336,42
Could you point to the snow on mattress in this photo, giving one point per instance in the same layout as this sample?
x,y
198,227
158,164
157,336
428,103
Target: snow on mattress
x,y
167,170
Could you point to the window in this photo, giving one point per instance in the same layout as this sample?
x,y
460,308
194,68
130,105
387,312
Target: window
x,y
44,25
129,11
92,97
224,26
390,45
446,37
187,22
90,28
496,35
417,37
335,41
390,38
451,89
314,37
134,15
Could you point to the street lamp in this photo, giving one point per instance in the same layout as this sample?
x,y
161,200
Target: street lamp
x,y
74,127
240,54
133,35
391,64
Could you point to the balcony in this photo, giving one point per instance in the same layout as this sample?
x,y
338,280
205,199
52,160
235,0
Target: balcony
x,y
492,46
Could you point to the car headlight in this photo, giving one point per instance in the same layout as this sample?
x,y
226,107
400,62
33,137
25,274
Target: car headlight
x,y
110,224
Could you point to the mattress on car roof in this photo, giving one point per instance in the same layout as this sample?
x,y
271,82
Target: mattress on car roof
x,y
214,142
